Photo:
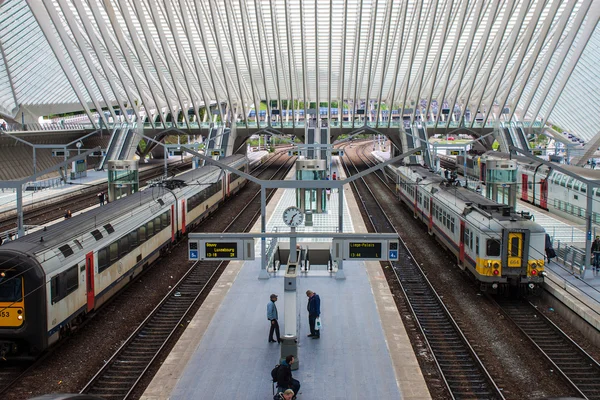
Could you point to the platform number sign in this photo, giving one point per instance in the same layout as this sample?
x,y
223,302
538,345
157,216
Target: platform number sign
x,y
454,152
393,251
418,153
193,248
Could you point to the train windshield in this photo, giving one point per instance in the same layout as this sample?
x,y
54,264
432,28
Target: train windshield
x,y
10,287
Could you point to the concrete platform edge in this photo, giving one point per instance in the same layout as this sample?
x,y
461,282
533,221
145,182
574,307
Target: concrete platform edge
x,y
172,369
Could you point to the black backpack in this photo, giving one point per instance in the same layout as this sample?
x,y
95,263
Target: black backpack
x,y
274,373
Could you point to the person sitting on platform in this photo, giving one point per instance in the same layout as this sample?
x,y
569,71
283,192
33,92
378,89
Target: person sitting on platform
x,y
287,395
284,376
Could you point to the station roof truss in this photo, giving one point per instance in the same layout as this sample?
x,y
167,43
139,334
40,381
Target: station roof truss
x,y
499,59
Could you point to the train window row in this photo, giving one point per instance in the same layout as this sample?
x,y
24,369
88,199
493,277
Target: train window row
x,y
64,284
570,183
121,247
201,197
243,169
407,188
445,218
423,201
574,210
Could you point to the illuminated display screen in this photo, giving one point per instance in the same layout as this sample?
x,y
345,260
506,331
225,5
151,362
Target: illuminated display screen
x,y
221,250
454,152
365,250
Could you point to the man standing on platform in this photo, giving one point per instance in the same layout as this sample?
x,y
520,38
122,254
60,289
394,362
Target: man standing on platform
x,y
314,311
596,253
272,317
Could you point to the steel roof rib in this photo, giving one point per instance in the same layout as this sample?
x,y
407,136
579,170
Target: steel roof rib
x,y
165,56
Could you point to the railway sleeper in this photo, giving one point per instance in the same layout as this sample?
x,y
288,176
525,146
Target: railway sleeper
x,y
111,383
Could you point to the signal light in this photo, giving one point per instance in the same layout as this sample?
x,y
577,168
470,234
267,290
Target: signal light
x,y
496,272
533,272
2,274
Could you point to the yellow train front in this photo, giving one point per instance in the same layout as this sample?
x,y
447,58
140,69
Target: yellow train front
x,y
497,246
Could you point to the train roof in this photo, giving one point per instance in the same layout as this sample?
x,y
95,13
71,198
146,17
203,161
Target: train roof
x,y
54,235
463,199
199,173
587,173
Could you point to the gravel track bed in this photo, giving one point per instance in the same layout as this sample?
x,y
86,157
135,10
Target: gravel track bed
x,y
517,367
73,363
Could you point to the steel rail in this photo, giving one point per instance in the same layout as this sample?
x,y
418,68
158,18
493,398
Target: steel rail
x,y
463,373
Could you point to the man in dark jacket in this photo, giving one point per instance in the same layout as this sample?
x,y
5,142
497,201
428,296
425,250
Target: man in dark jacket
x,y
596,252
284,376
314,311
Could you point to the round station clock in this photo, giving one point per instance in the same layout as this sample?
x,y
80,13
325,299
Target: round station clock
x,y
293,216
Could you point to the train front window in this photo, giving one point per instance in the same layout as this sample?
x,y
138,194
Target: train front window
x,y
10,287
514,247
493,247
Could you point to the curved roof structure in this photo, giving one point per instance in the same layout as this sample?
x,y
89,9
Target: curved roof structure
x,y
527,59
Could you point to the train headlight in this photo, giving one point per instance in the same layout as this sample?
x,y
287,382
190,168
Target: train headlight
x,y
531,286
494,286
20,317
534,265
496,265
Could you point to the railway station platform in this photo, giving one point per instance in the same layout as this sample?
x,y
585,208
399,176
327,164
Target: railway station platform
x,y
363,351
571,287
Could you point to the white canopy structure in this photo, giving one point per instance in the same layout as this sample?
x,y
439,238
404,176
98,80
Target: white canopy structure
x,y
524,59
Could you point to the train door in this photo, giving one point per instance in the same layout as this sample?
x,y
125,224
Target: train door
x,y
430,216
544,193
173,223
482,172
227,185
515,250
183,216
416,210
89,280
461,246
524,188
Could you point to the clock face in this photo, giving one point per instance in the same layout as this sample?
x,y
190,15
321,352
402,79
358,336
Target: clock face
x,y
293,216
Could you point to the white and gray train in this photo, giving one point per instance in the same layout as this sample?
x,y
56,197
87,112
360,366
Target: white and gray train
x,y
50,279
498,247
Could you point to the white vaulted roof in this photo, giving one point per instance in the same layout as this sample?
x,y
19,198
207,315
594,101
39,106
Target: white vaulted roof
x,y
537,58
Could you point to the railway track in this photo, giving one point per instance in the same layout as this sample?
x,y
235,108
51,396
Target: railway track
x,y
462,372
570,360
121,374
45,211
